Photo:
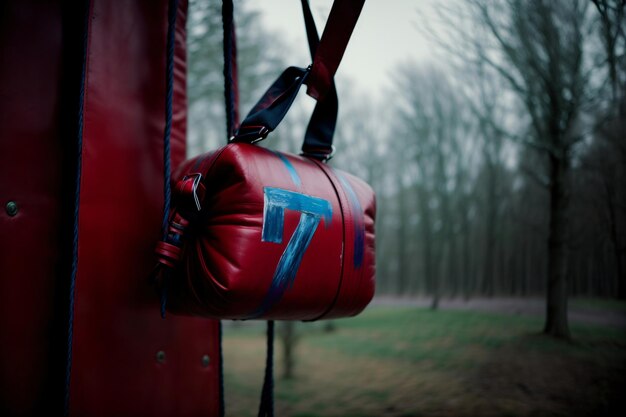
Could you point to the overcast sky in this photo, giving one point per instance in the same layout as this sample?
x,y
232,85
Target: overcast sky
x,y
385,35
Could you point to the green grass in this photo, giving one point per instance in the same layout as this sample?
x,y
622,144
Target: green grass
x,y
413,361
599,304
415,335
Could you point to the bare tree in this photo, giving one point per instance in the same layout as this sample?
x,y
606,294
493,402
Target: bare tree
x,y
538,48
433,122
609,148
612,16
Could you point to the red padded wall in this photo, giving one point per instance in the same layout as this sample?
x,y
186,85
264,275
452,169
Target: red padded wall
x,y
30,175
117,327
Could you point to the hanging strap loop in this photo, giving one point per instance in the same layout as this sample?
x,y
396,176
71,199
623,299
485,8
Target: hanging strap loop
x,y
273,106
318,138
231,90
266,409
341,21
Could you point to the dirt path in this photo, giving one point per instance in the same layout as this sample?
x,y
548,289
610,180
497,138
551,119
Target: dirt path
x,y
515,306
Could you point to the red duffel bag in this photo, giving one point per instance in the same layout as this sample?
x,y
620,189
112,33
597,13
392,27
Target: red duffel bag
x,y
259,234
278,236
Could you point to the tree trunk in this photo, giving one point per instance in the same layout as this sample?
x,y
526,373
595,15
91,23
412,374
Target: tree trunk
x,y
490,232
402,226
621,276
427,241
329,326
288,339
434,304
464,249
524,268
556,300
454,270
614,237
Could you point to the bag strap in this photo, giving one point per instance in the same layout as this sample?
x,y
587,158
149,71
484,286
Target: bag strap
x,y
266,407
231,105
318,139
231,88
273,106
341,21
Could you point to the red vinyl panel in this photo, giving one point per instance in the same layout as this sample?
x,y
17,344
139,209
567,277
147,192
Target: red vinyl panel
x,y
30,175
117,327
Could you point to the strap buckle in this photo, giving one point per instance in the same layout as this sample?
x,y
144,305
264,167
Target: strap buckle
x,y
250,134
319,154
186,188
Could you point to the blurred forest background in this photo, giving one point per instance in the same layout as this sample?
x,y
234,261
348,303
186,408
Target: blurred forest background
x,y
499,165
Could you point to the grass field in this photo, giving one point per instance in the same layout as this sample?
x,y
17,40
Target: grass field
x,y
414,362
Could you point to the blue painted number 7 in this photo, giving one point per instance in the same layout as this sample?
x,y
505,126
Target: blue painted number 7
x,y
312,210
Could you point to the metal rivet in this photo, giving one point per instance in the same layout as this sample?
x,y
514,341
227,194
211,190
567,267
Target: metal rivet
x,y
11,208
206,360
160,356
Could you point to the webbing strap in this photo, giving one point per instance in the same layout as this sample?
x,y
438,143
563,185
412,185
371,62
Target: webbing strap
x,y
266,409
341,22
231,90
80,112
231,98
273,106
318,139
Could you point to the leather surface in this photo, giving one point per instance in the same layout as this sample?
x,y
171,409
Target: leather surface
x,y
117,327
230,265
30,175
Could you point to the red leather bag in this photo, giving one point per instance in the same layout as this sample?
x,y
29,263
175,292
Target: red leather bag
x,y
278,236
259,234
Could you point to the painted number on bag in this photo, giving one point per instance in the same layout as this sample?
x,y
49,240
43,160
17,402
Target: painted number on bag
x,y
312,211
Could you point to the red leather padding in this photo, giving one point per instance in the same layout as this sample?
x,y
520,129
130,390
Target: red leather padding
x,y
31,158
118,330
229,267
117,326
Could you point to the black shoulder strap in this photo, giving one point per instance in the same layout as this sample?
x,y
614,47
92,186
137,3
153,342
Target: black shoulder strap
x,y
318,139
327,53
231,90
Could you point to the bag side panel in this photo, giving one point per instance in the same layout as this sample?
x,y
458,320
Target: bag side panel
x,y
359,268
